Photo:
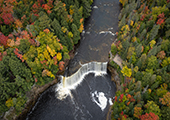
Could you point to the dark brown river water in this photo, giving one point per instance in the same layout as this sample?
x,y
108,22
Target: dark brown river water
x,y
85,102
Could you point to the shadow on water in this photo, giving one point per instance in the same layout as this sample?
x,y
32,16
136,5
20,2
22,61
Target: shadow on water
x,y
94,46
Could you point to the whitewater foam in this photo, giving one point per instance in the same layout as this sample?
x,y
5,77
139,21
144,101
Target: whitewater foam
x,y
100,99
110,32
67,84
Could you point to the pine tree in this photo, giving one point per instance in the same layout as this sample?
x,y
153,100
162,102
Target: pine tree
x,y
152,63
142,26
69,43
153,51
76,3
154,32
133,6
167,22
64,22
125,11
135,17
43,21
24,46
122,22
142,62
138,50
149,25
153,79
138,86
76,33
34,29
142,35
58,9
146,79
161,2
138,76
76,16
125,44
57,28
86,8
68,3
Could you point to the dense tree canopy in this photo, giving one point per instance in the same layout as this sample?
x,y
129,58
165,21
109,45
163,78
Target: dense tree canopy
x,y
35,39
143,43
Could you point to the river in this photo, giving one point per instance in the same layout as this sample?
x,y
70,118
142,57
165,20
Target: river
x,y
90,100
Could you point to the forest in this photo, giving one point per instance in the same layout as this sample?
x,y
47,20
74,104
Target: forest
x,y
143,42
36,37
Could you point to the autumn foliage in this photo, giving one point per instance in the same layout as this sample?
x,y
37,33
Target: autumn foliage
x,y
35,39
161,19
150,116
143,44
61,65
3,39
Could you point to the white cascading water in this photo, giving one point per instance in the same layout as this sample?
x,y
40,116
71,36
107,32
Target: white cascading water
x,y
71,82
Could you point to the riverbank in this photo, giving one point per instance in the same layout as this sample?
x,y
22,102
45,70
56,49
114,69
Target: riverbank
x,y
143,43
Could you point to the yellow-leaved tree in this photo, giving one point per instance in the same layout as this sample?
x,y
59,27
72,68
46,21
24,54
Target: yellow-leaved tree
x,y
126,71
123,2
59,56
44,59
51,51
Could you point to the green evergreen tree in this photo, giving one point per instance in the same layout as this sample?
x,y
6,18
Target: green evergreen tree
x,y
152,63
125,11
76,3
142,27
142,35
64,22
57,28
142,62
165,113
34,29
133,6
76,33
122,22
153,51
167,33
76,16
138,50
138,76
167,22
135,17
24,46
86,8
43,21
146,79
68,3
125,44
161,2
154,32
149,25
59,10
70,43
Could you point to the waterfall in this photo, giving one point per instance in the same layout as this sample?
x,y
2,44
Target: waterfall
x,y
71,82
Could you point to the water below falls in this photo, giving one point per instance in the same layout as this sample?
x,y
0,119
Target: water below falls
x,y
89,101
